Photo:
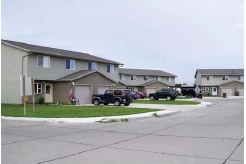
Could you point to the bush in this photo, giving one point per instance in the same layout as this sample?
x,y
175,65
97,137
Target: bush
x,y
41,101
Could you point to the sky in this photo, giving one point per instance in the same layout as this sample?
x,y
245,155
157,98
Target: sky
x,y
175,36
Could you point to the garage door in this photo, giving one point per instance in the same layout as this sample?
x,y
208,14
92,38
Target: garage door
x,y
241,92
150,90
102,89
228,91
83,93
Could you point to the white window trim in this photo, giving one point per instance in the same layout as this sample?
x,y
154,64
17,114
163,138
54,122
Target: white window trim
x,y
70,64
37,88
45,63
111,68
210,78
93,66
133,77
225,77
169,79
122,77
146,78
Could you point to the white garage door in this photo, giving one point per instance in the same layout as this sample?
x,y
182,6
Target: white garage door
x,y
150,90
83,93
228,91
241,92
102,89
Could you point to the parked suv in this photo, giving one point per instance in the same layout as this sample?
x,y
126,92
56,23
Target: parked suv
x,y
169,94
115,96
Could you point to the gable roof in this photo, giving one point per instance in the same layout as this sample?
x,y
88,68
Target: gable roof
x,y
236,72
152,82
228,82
57,52
80,74
144,72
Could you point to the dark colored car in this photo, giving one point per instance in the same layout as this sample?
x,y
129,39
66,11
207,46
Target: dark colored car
x,y
169,94
115,96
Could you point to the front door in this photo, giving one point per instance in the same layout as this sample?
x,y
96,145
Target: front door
x,y
48,93
214,91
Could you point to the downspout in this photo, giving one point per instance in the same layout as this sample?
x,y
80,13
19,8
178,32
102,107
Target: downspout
x,y
22,64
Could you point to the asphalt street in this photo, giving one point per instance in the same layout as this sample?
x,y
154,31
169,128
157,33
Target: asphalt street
x,y
208,135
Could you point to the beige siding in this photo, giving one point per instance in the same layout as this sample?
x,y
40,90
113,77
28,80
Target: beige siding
x,y
11,70
61,92
96,80
216,80
198,79
234,86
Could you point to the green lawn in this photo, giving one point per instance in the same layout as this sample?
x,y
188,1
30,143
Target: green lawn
x,y
57,111
175,102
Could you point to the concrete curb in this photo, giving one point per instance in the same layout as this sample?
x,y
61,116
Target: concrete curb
x,y
123,118
175,109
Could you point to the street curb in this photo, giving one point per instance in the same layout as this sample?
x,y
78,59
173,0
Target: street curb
x,y
123,118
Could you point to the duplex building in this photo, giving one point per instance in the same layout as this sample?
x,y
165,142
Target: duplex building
x,y
59,74
146,81
218,81
56,72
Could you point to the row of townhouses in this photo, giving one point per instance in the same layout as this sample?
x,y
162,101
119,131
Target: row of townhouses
x,y
58,73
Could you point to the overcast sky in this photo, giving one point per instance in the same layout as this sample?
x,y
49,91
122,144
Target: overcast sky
x,y
176,36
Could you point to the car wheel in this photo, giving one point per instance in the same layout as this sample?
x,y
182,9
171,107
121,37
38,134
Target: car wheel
x,y
168,98
152,98
117,103
96,102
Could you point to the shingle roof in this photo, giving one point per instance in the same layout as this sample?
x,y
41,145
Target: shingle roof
x,y
228,72
80,74
59,52
144,72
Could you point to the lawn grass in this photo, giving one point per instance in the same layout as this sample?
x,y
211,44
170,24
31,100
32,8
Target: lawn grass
x,y
60,111
175,102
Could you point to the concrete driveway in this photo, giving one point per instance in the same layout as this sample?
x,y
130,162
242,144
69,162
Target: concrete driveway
x,y
211,135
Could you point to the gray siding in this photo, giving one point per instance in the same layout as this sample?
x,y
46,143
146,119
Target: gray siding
x,y
58,70
140,80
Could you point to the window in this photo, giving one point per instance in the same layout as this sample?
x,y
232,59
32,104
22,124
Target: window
x,y
43,61
110,68
209,78
38,88
169,79
240,78
146,78
133,77
92,66
225,77
122,77
131,88
117,92
158,78
70,64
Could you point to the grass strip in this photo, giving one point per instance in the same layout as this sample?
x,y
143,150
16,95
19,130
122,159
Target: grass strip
x,y
60,111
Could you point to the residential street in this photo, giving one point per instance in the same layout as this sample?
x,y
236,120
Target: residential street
x,y
209,135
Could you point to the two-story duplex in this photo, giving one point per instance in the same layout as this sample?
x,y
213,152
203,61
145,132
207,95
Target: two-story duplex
x,y
219,81
146,81
57,73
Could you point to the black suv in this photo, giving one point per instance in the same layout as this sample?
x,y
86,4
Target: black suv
x,y
169,94
115,96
